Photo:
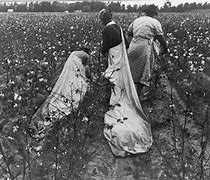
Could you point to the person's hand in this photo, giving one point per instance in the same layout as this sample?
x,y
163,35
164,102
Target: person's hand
x,y
104,55
164,51
84,60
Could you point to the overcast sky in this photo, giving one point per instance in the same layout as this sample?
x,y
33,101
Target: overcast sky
x,y
132,2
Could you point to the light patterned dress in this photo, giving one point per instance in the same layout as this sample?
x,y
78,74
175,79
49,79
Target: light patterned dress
x,y
143,48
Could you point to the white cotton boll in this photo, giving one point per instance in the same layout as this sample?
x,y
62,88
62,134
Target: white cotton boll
x,y
200,69
19,98
54,166
85,119
32,72
192,67
46,123
190,49
45,63
36,60
38,148
14,129
29,80
41,79
10,138
15,96
11,82
172,105
190,54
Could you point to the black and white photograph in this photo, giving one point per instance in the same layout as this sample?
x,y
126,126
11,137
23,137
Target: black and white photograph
x,y
104,90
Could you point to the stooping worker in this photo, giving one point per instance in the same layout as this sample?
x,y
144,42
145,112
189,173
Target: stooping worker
x,y
67,93
143,49
111,34
126,128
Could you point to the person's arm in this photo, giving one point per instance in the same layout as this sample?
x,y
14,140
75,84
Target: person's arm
x,y
130,36
87,72
163,43
105,42
160,37
130,33
126,41
84,57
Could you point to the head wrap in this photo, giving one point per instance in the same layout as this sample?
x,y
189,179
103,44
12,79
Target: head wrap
x,y
151,9
105,15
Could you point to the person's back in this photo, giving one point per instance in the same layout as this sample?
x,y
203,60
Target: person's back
x,y
146,27
68,91
80,54
111,35
143,49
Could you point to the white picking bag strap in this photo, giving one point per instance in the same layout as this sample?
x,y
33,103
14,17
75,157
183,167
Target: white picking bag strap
x,y
126,128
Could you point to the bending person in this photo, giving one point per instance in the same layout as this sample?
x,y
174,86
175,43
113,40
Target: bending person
x,y
126,128
143,49
67,92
